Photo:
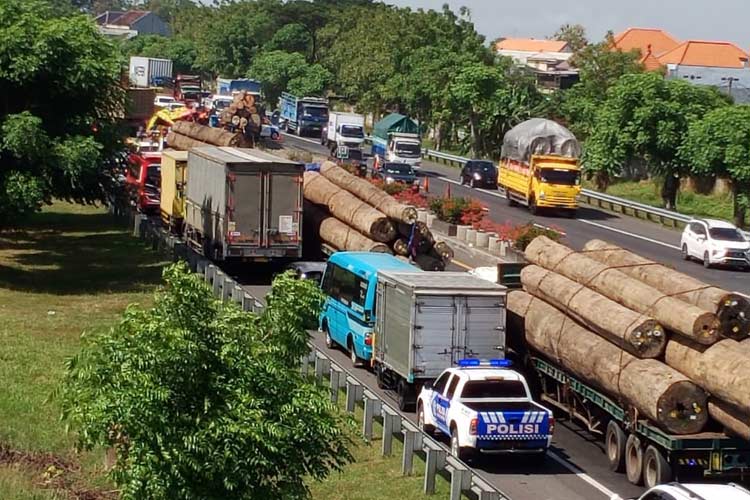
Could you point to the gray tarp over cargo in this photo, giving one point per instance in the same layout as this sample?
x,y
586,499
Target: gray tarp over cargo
x,y
539,137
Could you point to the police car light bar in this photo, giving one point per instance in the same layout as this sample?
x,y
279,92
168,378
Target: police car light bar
x,y
496,363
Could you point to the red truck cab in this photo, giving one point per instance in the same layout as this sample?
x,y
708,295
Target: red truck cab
x,y
143,180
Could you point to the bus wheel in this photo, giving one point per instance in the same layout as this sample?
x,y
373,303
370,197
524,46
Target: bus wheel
x,y
656,469
634,460
356,360
615,446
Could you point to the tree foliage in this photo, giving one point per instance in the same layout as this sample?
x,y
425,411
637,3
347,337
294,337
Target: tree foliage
x,y
201,400
574,35
719,145
279,71
60,100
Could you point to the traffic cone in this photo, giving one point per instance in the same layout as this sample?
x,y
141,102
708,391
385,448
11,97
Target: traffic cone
x,y
447,193
426,185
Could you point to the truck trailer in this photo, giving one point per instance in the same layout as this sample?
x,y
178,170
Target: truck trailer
x,y
227,86
243,204
145,71
303,115
173,179
426,322
344,130
395,138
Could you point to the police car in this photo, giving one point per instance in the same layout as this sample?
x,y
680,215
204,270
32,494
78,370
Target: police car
x,y
677,491
485,407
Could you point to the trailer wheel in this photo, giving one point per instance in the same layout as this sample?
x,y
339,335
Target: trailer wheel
x,y
615,446
656,469
634,460
380,376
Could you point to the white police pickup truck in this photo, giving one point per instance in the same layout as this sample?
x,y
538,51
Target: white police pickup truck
x,y
485,407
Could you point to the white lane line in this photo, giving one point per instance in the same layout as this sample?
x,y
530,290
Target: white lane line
x,y
311,141
626,233
581,475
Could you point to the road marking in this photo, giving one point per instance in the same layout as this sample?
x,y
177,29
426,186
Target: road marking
x,y
311,141
581,475
461,264
626,233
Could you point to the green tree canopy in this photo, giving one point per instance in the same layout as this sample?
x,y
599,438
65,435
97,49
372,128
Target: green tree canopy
x,y
647,117
719,145
279,71
203,401
574,35
60,100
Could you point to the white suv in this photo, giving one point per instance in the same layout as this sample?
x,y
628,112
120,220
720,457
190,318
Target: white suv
x,y
677,491
715,242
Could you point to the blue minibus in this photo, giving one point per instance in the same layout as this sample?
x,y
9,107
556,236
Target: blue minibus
x,y
348,315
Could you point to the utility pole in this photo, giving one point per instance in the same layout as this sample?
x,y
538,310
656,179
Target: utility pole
x,y
730,81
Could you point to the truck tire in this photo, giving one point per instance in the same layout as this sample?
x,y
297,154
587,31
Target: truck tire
x,y
460,452
404,396
634,460
380,376
656,469
614,443
533,209
427,429
509,199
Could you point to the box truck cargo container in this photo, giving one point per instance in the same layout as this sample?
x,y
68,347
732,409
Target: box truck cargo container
x,y
143,70
173,178
226,86
426,322
303,115
344,129
243,204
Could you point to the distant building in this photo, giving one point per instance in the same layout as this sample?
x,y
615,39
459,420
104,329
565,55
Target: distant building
x,y
546,59
131,23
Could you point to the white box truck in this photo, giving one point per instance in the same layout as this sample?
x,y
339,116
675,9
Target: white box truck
x,y
149,72
426,322
344,129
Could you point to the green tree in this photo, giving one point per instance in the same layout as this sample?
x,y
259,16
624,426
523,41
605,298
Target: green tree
x,y
647,117
279,71
182,51
201,400
574,34
60,99
719,145
291,38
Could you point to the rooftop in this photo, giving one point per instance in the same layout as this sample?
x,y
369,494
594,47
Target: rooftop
x,y
370,262
706,53
646,40
532,45
121,18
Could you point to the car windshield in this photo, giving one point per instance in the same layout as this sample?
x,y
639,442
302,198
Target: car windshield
x,y
153,175
491,389
221,104
484,166
408,149
398,169
352,131
726,234
560,176
315,111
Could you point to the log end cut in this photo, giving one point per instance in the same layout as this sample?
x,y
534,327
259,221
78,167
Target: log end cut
x,y
683,408
734,316
648,339
706,329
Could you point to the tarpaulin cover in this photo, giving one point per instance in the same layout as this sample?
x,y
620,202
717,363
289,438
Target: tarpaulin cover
x,y
539,137
395,122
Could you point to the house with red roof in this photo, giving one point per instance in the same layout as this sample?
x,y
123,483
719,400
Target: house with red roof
x,y
131,23
546,59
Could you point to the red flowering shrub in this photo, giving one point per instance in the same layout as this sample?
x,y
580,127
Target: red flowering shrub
x,y
412,197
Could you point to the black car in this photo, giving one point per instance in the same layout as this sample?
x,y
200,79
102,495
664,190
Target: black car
x,y
479,173
396,172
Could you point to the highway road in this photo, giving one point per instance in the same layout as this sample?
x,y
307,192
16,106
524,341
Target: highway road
x,y
645,238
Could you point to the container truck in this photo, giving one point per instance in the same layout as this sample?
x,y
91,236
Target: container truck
x,y
395,138
226,86
540,167
303,115
173,179
144,70
188,88
426,322
344,130
243,204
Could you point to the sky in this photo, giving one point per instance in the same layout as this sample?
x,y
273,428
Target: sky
x,y
725,20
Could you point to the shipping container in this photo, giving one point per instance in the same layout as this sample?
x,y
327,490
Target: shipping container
x,y
143,70
243,204
426,322
173,179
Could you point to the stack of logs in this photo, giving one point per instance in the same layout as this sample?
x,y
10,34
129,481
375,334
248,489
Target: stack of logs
x,y
667,346
185,135
243,115
349,213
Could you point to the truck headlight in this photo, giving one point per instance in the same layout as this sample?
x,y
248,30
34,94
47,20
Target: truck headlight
x,y
542,195
389,179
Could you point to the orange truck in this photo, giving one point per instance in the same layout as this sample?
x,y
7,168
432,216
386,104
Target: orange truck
x,y
540,166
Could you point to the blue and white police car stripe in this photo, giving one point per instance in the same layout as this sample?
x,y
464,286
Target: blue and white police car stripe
x,y
493,417
533,417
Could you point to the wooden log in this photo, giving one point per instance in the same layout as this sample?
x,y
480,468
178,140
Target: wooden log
x,y
682,318
183,142
640,335
445,252
734,421
732,309
429,263
368,193
340,236
348,208
210,135
401,247
657,391
722,369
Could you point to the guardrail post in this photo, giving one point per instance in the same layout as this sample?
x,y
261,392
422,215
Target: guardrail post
x,y
354,392
322,366
412,443
237,294
201,266
460,479
305,365
247,302
210,273
336,383
218,283
488,495
391,422
373,407
227,289
435,460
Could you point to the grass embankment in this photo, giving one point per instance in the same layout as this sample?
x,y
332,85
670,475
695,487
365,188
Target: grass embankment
x,y
74,269
688,203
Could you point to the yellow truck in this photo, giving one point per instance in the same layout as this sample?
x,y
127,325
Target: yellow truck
x,y
173,179
540,166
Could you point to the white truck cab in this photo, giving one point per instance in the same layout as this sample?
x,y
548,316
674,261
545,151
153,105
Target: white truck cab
x,y
485,407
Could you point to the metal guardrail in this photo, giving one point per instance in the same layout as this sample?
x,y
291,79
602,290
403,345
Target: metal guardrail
x,y
437,459
601,200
